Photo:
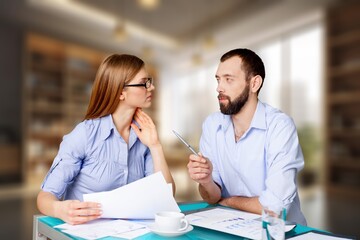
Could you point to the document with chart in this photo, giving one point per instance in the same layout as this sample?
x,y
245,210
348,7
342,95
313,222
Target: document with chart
x,y
229,221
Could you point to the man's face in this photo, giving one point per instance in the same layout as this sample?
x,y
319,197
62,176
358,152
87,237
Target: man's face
x,y
232,86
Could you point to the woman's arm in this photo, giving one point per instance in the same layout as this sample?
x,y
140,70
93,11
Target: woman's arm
x,y
70,211
148,135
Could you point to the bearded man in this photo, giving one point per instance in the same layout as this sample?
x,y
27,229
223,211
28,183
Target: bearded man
x,y
249,152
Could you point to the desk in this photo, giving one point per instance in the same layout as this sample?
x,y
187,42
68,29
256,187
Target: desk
x,y
43,228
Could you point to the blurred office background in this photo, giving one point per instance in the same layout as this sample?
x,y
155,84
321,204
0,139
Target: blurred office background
x,y
50,51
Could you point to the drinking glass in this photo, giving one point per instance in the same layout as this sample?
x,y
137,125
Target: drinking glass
x,y
273,223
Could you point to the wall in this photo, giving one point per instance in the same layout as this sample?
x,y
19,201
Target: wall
x,y
10,81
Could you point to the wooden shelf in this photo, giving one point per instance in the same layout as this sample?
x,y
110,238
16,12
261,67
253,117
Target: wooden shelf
x,y
352,37
342,191
343,99
58,78
346,163
345,69
345,133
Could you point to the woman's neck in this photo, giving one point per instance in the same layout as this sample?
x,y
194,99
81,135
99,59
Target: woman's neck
x,y
122,119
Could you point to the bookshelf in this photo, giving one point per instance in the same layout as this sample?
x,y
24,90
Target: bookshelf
x,y
343,99
56,89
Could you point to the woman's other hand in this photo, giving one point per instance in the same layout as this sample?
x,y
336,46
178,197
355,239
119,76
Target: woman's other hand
x,y
146,131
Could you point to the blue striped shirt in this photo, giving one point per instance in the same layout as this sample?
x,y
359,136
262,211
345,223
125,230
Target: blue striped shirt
x,y
264,163
93,158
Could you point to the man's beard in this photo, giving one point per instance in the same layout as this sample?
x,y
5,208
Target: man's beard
x,y
233,107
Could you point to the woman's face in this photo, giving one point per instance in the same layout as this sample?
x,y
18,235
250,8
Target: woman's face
x,y
138,96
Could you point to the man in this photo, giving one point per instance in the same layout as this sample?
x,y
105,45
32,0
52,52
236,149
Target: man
x,y
250,152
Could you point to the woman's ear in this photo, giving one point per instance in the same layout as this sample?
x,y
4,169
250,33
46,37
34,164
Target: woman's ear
x,y
255,83
122,96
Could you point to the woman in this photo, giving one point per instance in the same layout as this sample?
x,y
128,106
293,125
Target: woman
x,y
116,144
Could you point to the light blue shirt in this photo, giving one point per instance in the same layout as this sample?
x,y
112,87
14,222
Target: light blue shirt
x,y
94,158
264,163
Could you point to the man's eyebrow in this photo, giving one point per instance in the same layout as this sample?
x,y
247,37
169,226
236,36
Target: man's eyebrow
x,y
225,75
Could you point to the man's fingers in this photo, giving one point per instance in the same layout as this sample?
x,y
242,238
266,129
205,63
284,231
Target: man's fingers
x,y
199,170
200,176
195,158
193,164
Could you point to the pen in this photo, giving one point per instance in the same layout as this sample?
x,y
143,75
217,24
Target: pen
x,y
188,145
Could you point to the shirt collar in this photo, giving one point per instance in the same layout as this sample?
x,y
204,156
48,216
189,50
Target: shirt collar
x,y
107,126
258,121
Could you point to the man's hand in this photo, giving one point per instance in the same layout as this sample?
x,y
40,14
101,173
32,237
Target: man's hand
x,y
200,169
76,212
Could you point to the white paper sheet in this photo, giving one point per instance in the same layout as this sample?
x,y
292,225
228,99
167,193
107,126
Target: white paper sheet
x,y
317,236
105,227
230,221
138,200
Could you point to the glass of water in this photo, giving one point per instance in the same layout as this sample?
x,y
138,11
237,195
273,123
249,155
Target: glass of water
x,y
273,223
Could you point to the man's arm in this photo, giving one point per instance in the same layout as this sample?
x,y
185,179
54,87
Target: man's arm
x,y
248,204
210,192
200,170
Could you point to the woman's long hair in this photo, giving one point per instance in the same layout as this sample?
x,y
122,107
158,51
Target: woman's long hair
x,y
114,72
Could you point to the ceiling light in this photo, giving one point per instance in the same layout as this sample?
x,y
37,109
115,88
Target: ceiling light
x,y
149,4
196,59
120,32
209,42
104,20
147,53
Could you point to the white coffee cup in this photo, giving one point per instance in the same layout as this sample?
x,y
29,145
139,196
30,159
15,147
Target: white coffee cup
x,y
171,221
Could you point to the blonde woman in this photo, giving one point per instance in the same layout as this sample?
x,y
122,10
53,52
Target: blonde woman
x,y
116,144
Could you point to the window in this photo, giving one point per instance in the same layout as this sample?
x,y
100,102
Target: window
x,y
293,83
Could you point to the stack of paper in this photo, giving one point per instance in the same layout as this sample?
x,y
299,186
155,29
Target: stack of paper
x,y
105,227
137,200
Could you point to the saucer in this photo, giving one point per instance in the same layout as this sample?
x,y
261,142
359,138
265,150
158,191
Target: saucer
x,y
160,232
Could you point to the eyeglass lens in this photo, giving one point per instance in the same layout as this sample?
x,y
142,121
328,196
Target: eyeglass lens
x,y
148,83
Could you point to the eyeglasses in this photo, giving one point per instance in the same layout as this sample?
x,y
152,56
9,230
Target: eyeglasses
x,y
146,85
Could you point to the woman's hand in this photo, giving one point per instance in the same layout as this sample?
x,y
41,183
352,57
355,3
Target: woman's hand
x,y
147,132
76,212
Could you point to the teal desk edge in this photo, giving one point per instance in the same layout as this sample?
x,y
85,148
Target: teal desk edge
x,y
197,233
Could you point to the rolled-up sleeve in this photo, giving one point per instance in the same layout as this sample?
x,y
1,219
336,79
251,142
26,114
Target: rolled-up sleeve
x,y
67,163
206,148
149,165
284,160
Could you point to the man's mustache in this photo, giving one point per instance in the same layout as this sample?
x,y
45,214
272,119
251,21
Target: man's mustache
x,y
222,96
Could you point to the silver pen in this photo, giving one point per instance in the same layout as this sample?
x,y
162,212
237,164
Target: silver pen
x,y
188,145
